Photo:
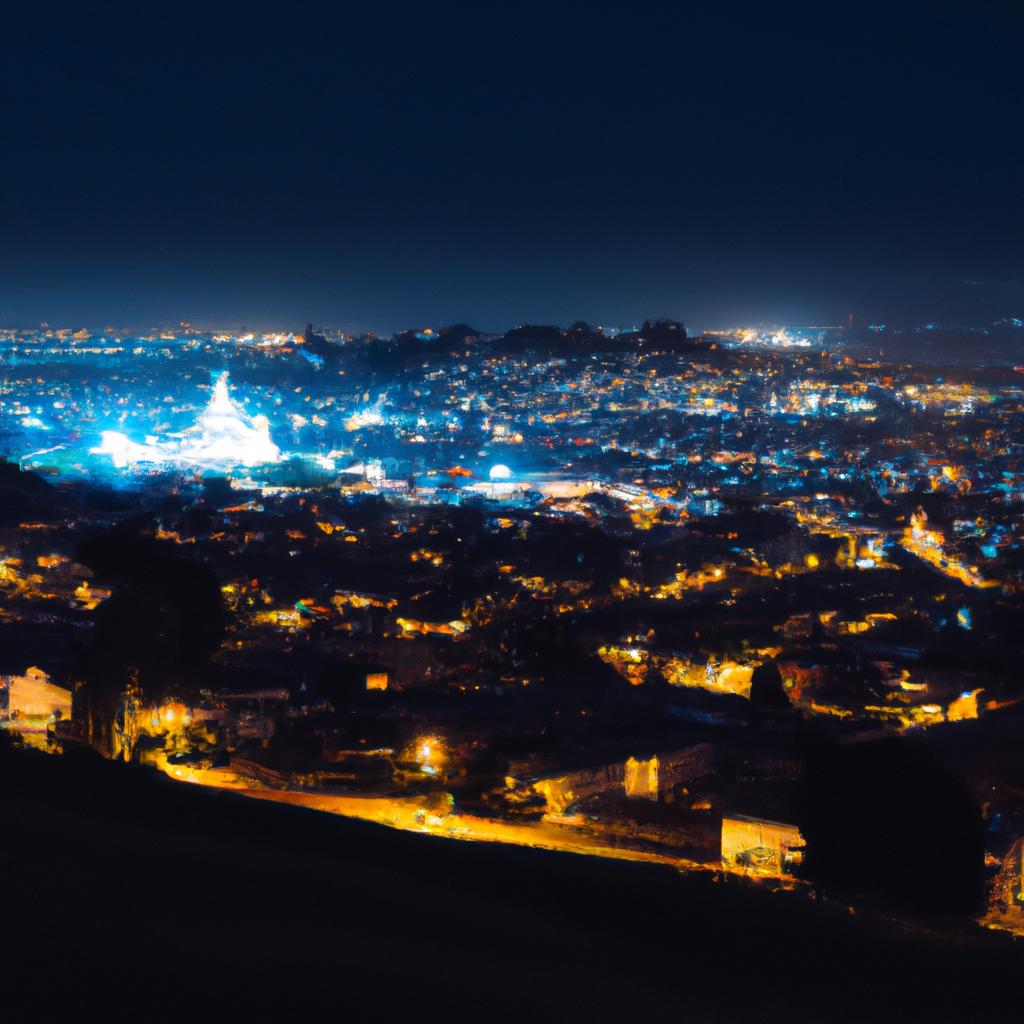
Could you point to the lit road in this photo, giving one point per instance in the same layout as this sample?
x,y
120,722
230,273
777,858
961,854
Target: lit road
x,y
411,816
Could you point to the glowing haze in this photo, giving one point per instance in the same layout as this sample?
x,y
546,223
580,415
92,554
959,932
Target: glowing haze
x,y
224,436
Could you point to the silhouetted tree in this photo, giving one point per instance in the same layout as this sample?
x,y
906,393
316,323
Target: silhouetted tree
x,y
159,627
885,819
766,690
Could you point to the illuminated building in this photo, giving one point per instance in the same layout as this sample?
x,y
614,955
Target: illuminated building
x,y
377,681
223,437
754,846
641,778
31,697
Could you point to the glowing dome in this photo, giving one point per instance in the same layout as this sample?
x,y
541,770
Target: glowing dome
x,y
223,436
500,472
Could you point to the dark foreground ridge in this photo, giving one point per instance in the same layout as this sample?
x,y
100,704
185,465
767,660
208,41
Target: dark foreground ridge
x,y
132,896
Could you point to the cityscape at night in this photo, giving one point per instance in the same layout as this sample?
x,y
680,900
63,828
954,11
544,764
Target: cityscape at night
x,y
384,640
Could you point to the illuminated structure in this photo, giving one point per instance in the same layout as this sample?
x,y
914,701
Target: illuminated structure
x,y
929,546
31,696
1006,900
224,436
641,778
754,846
376,680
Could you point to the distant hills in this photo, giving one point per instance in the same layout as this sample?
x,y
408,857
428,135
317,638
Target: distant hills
x,y
580,338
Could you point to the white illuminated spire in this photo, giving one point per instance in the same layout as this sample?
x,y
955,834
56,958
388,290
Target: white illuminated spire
x,y
223,436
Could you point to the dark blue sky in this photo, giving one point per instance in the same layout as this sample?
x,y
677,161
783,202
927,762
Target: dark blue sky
x,y
384,165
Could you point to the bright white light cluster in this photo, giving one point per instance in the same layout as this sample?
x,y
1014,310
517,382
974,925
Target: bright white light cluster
x,y
223,436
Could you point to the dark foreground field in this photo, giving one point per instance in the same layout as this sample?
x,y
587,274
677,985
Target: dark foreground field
x,y
129,896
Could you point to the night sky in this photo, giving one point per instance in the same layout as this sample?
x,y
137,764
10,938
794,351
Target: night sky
x,y
376,166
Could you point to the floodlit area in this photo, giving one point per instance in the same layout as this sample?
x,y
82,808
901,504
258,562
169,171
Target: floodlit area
x,y
223,437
